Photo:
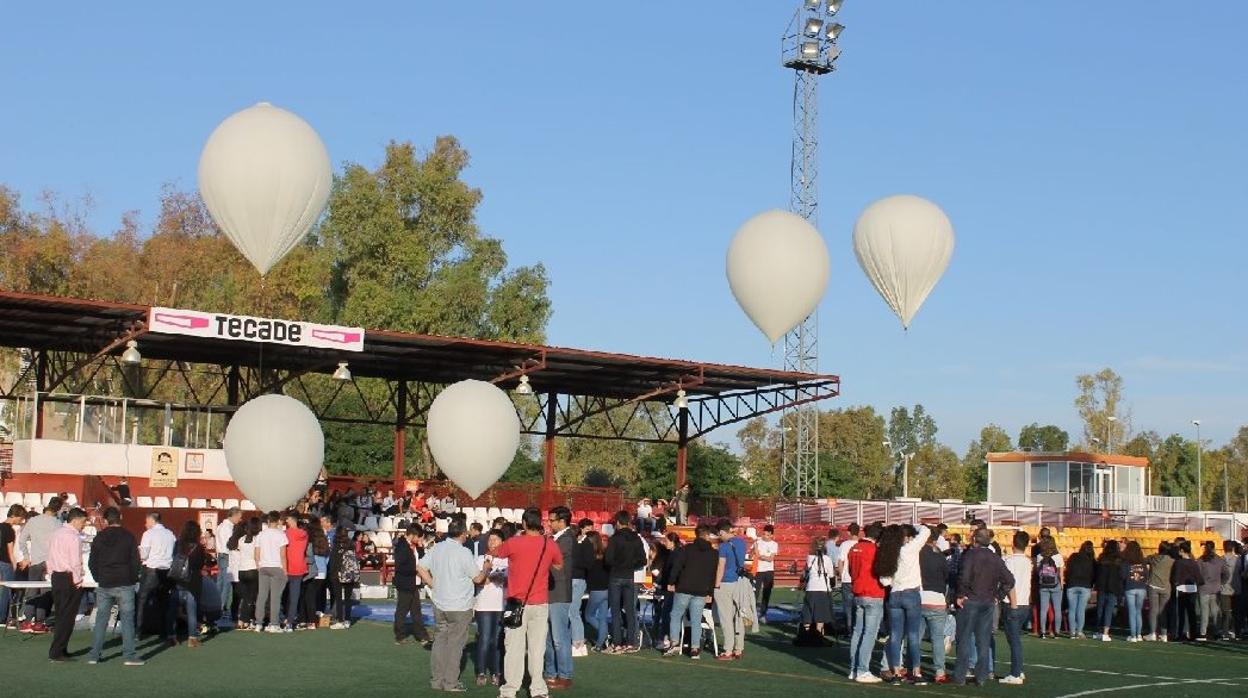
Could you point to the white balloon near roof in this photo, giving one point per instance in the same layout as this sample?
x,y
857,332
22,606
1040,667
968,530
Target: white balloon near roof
x,y
274,449
473,434
778,269
903,244
265,177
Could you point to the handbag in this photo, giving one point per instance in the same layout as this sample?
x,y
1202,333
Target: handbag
x,y
180,568
513,610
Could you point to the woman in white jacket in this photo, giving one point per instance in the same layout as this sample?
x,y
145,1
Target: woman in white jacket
x,y
897,565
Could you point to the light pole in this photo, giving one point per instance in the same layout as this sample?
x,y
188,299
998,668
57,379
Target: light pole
x,y
905,478
1095,441
1200,494
1109,435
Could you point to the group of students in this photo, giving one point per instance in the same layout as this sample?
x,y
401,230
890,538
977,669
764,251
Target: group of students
x,y
912,579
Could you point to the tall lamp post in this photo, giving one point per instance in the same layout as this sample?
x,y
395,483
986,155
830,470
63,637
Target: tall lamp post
x,y
1109,435
1200,447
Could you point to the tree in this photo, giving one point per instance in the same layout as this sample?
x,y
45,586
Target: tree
x,y
992,439
713,471
936,473
761,454
1174,468
853,461
1143,445
1047,439
907,431
1100,395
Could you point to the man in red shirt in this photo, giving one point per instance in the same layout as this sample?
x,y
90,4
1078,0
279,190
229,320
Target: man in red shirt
x,y
296,569
530,557
868,604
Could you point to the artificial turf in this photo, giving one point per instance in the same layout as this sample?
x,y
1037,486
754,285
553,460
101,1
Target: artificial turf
x,y
365,661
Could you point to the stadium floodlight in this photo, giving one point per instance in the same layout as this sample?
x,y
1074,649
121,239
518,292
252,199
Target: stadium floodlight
x,y
834,30
834,6
813,26
810,49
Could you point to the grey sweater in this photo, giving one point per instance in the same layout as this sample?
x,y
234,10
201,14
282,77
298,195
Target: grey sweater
x,y
38,533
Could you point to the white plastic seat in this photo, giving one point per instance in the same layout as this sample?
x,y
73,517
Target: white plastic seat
x,y
143,502
751,533
181,503
48,497
246,505
441,525
216,504
387,523
371,523
383,540
509,514
230,504
708,628
72,499
160,502
11,498
199,503
32,501
493,513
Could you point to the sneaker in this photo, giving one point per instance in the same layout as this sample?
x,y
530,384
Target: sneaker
x,y
1106,638
256,628
630,649
725,657
27,627
339,626
1131,638
274,629
695,654
1012,680
1163,638
287,629
868,678
39,628
134,662
673,651
1151,637
93,662
941,678
916,679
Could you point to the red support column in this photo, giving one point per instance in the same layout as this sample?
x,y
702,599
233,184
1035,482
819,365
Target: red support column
x,y
682,448
41,385
400,435
548,476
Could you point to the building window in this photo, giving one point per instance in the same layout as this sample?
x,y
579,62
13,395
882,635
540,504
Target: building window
x,y
1048,477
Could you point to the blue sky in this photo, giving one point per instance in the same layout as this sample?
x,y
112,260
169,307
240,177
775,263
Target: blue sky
x,y
1091,156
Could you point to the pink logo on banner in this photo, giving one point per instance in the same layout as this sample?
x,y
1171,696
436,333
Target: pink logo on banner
x,y
336,336
190,322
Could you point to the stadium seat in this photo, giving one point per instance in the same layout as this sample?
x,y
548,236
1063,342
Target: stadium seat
x,y
230,503
493,513
143,502
181,503
216,504
383,540
372,523
440,525
481,514
160,502
11,498
246,505
199,503
72,499
387,523
47,497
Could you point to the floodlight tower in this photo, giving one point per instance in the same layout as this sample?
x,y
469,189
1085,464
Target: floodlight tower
x,y
808,48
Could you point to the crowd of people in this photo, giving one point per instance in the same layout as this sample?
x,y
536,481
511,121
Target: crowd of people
x,y
546,589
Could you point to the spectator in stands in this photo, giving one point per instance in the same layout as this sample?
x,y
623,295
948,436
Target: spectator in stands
x,y
271,562
983,578
1231,587
897,559
123,492
624,556
1212,573
765,551
406,591
530,557
344,576
734,595
33,541
680,503
223,533
1186,579
660,515
366,551
8,556
934,571
64,564
1049,564
242,548
1080,572
558,668
313,592
818,581
1160,567
156,549
190,588
580,561
847,581
691,581
645,518
868,604
1134,589
1019,565
115,566
489,613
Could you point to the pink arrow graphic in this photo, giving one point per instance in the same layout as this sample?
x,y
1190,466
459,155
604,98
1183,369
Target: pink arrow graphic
x,y
188,321
336,336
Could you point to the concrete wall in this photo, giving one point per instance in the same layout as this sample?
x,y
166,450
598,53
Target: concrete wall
x,y
1007,483
49,456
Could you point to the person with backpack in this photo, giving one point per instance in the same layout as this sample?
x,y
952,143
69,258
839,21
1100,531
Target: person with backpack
x,y
344,577
187,574
1049,563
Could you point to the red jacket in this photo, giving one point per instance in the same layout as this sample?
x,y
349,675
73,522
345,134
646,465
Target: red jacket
x,y
861,559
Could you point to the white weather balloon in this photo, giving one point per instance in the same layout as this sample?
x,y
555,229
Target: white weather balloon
x,y
778,270
274,449
265,177
473,434
903,244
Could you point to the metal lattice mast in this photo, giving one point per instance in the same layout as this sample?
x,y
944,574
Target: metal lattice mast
x,y
810,50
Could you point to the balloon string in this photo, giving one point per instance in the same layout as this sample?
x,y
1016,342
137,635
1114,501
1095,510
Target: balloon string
x,y
263,312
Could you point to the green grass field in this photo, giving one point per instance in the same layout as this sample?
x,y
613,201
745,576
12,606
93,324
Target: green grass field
x,y
365,661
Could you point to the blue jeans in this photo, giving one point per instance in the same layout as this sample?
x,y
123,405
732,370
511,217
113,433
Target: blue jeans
x,y
489,647
847,600
867,615
224,588
1077,608
597,613
294,584
904,617
192,612
937,619
1015,619
578,602
622,598
974,627
105,599
691,606
1106,608
559,643
6,575
1135,610
1050,597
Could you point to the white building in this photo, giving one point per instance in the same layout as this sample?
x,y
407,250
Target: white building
x,y
1076,481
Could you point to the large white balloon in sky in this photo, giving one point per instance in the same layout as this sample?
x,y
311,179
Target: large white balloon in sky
x,y
274,449
778,270
265,177
904,244
473,434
